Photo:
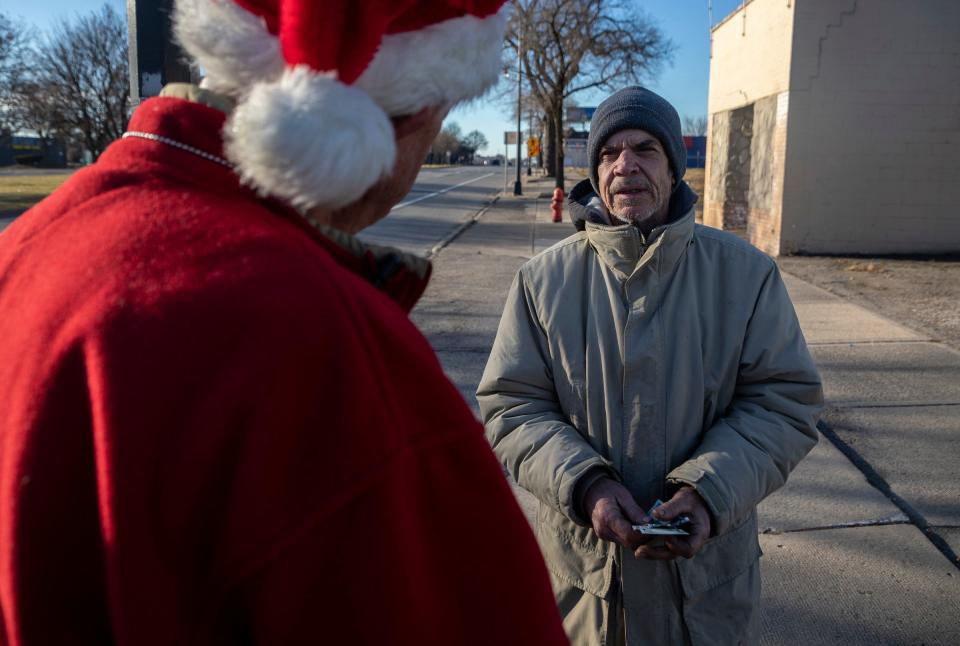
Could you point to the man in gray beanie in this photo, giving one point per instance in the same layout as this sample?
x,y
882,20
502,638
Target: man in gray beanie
x,y
649,358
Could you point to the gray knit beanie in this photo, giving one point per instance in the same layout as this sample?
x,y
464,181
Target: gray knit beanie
x,y
637,107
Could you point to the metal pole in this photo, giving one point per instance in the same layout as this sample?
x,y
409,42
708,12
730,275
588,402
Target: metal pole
x,y
506,156
517,189
710,26
155,58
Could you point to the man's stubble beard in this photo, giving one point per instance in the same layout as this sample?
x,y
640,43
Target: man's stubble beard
x,y
643,218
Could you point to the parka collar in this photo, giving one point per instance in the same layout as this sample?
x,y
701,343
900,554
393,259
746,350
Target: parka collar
x,y
401,276
623,248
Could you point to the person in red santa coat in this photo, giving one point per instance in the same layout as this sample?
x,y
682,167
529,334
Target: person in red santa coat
x,y
217,422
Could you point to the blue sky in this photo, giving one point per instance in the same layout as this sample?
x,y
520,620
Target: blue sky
x,y
684,83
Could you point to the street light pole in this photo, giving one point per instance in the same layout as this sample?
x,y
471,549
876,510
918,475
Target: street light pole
x,y
517,190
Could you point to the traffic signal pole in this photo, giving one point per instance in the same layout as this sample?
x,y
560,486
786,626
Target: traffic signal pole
x,y
517,189
155,58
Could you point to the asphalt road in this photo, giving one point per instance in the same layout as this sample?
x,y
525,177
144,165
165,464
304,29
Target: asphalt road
x,y
441,200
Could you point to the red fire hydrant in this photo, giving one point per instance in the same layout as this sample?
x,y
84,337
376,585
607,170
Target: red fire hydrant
x,y
556,204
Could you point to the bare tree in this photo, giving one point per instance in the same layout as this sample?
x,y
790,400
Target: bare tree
x,y
446,144
475,141
695,126
568,46
453,128
451,145
80,83
36,106
14,49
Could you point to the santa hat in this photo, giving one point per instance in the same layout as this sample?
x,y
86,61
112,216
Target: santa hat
x,y
317,80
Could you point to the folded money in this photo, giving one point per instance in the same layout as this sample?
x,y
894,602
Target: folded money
x,y
660,529
655,527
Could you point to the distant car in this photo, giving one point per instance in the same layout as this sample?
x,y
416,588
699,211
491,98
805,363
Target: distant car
x,y
492,162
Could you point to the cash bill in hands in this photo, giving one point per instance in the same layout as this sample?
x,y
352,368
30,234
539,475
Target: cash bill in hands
x,y
676,527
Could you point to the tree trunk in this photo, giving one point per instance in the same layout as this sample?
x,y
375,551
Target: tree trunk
x,y
549,144
558,144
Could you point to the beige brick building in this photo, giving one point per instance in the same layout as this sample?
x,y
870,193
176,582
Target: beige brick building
x,y
835,126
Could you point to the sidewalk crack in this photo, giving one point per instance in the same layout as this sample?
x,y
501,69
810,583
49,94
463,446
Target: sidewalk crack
x,y
911,404
880,484
893,519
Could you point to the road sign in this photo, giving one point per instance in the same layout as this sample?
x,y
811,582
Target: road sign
x,y
510,137
533,147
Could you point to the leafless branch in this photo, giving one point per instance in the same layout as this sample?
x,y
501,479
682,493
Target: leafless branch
x,y
78,85
569,46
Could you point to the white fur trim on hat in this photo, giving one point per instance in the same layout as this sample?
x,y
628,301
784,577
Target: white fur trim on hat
x,y
448,62
309,139
232,45
302,136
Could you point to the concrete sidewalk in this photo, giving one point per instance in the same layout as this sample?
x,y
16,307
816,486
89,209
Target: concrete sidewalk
x,y
857,545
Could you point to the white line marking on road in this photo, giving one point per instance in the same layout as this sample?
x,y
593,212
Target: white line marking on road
x,y
443,172
440,192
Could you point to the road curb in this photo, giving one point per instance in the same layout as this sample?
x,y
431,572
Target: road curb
x,y
456,233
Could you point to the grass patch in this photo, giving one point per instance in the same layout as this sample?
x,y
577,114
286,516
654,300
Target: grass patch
x,y
19,192
853,265
694,177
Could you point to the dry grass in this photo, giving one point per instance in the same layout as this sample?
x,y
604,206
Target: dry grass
x,y
19,192
921,294
852,265
694,177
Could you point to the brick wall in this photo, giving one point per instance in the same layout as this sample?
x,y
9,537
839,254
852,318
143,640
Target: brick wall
x,y
766,175
718,135
749,70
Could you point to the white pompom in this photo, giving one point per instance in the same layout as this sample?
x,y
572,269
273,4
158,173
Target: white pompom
x,y
310,140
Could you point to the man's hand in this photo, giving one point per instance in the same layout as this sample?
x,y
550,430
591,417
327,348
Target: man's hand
x,y
613,512
685,501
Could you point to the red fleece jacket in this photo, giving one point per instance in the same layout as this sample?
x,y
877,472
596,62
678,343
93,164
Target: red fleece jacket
x,y
214,429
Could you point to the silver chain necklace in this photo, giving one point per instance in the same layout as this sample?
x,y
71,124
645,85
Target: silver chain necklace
x,y
178,144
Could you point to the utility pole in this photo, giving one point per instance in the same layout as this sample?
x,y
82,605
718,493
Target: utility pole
x,y
155,58
517,189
